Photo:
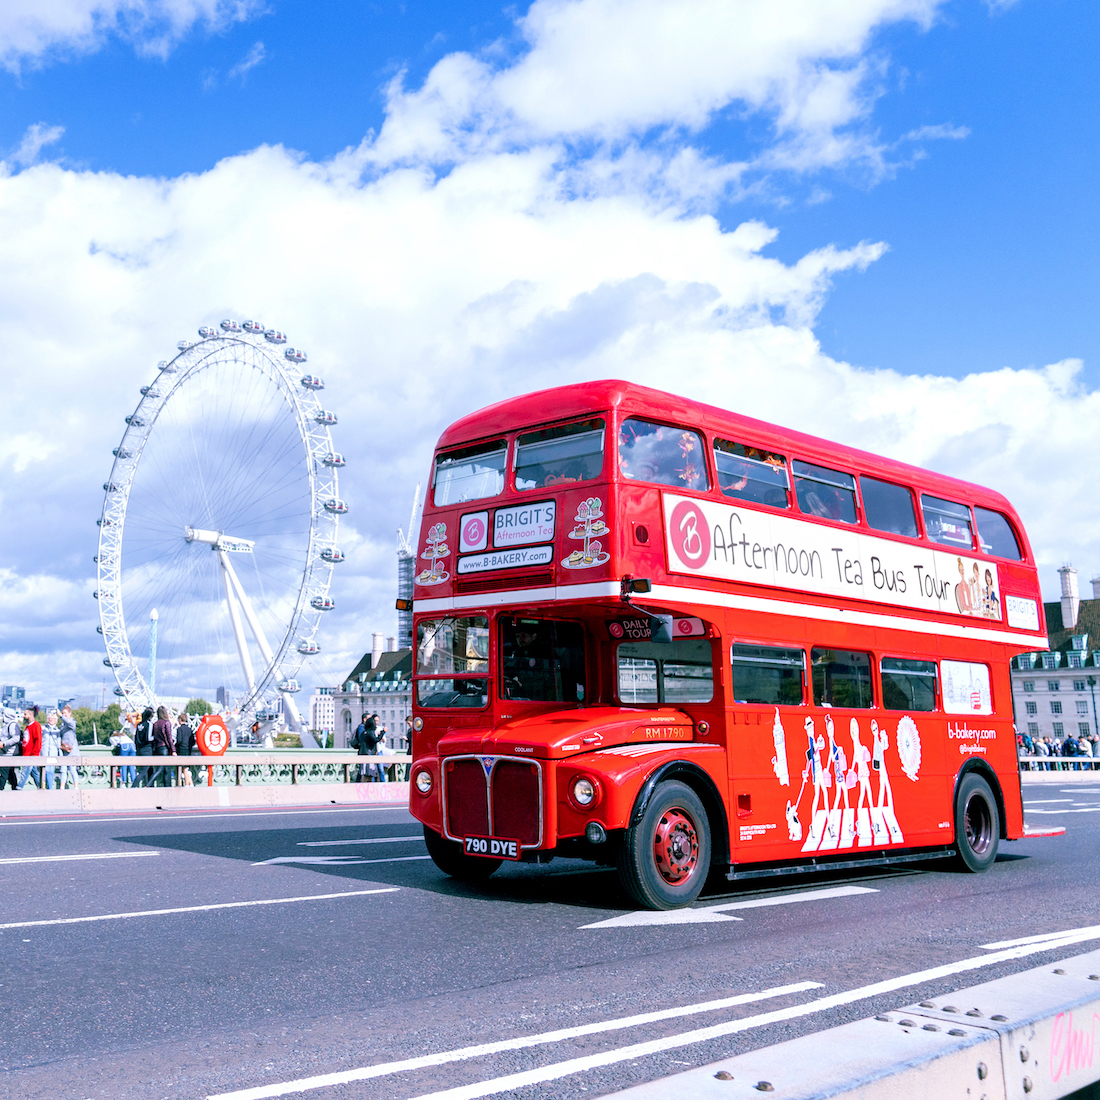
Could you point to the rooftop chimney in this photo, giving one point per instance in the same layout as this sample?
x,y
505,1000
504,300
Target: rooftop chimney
x,y
1095,582
376,641
1071,601
391,645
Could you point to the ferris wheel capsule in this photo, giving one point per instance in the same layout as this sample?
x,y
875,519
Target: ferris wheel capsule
x,y
333,459
121,452
322,603
147,391
309,648
336,507
295,355
206,332
312,382
289,686
333,555
325,418
135,421
183,345
273,336
110,487
253,326
166,366
230,326
119,691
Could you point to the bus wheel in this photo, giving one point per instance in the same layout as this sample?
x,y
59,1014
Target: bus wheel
x,y
448,856
665,858
977,824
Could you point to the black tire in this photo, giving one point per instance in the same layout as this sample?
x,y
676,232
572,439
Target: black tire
x,y
664,859
977,824
449,857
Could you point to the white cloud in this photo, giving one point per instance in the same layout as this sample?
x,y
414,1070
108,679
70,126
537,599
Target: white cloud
x,y
37,137
247,63
33,30
422,295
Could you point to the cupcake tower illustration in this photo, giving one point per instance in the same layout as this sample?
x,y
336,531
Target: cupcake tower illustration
x,y
590,527
435,552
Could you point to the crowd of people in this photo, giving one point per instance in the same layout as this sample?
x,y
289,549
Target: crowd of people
x,y
156,734
27,736
1083,750
369,739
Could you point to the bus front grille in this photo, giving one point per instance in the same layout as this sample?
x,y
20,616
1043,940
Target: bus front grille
x,y
493,796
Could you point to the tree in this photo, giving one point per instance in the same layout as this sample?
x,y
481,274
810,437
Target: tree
x,y
199,706
89,722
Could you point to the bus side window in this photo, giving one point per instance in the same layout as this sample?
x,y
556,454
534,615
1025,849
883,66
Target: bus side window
x,y
767,674
842,678
830,494
662,454
966,688
680,671
995,535
908,685
888,507
750,473
947,522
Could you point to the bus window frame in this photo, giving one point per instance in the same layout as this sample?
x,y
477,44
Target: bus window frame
x,y
857,497
705,437
805,675
510,485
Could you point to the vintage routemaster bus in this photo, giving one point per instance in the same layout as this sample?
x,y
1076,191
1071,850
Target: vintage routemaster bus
x,y
677,640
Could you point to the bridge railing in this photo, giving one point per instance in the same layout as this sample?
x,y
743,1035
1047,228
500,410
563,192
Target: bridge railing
x,y
1059,763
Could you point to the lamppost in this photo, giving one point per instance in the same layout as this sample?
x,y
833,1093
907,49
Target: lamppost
x,y
1092,692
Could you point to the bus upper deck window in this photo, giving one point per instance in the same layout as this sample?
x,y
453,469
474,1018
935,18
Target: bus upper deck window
x,y
661,454
557,456
995,535
471,473
841,678
888,507
946,521
751,474
830,494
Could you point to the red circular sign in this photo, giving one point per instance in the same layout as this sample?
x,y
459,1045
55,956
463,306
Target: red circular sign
x,y
615,630
689,534
473,532
684,626
212,736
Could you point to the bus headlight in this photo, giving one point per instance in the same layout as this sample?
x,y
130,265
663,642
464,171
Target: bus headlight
x,y
584,791
423,781
418,723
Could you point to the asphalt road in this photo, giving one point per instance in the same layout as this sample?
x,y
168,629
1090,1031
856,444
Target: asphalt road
x,y
235,967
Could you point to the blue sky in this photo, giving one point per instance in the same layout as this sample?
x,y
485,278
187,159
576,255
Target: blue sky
x,y
868,219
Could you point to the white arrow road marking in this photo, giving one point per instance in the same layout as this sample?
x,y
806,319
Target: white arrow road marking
x,y
198,908
712,913
1043,937
90,855
367,840
335,861
520,1043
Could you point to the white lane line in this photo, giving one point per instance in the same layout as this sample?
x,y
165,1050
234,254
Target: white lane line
x,y
196,908
89,855
384,1069
701,1035
1088,810
1041,801
367,840
712,913
335,861
10,820
1042,937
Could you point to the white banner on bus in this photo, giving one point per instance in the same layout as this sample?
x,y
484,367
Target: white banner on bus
x,y
709,539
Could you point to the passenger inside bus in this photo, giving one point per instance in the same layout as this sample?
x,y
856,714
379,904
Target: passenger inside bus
x,y
542,661
830,494
560,455
751,474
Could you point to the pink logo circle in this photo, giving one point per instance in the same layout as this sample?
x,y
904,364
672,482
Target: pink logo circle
x,y
690,534
683,626
615,630
473,532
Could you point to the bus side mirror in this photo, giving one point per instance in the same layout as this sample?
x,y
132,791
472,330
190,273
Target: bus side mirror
x,y
660,628
631,586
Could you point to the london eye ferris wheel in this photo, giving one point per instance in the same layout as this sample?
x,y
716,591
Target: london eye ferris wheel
x,y
218,535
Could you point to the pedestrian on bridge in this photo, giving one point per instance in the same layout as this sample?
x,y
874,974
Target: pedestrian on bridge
x,y
164,744
11,737
51,746
70,747
31,745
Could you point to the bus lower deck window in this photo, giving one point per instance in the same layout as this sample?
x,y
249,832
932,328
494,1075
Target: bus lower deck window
x,y
662,454
908,685
680,671
768,674
841,678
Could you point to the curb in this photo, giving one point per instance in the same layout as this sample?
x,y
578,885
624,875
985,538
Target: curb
x,y
1030,1036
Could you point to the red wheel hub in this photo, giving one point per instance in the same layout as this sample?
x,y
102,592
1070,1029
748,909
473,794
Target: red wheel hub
x,y
676,846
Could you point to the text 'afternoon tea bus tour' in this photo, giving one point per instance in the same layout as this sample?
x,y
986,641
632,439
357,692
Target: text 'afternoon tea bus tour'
x,y
673,639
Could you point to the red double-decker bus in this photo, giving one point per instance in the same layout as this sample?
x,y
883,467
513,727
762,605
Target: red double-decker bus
x,y
673,639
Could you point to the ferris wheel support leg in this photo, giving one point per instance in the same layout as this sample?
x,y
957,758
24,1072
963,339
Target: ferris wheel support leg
x,y
290,707
235,619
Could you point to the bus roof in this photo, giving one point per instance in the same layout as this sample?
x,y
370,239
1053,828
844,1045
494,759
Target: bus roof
x,y
589,398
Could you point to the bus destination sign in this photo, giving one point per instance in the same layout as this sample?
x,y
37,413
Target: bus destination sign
x,y
705,538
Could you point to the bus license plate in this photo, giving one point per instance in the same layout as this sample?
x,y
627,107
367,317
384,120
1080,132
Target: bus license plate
x,y
491,847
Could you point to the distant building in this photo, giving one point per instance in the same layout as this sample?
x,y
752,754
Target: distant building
x,y
12,696
322,711
1054,691
221,697
384,687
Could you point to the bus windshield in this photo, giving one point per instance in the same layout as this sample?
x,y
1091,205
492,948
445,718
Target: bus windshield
x,y
542,661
